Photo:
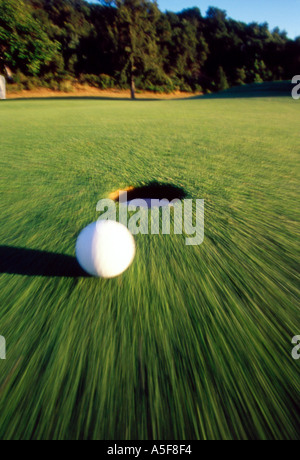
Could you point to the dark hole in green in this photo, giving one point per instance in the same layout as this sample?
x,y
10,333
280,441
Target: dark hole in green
x,y
155,190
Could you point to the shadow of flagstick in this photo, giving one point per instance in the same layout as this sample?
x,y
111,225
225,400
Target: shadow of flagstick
x,y
31,262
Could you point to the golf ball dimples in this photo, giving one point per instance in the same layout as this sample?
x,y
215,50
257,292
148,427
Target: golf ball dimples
x,y
105,249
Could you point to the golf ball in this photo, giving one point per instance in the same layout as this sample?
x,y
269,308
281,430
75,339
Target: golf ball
x,y
105,249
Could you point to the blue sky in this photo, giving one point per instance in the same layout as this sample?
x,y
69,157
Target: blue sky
x,y
282,13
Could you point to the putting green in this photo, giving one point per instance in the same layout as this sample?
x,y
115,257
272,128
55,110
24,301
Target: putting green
x,y
190,342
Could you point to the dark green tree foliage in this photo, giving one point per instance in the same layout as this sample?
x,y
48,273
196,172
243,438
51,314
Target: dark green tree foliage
x,y
68,22
135,31
186,48
24,43
221,80
130,43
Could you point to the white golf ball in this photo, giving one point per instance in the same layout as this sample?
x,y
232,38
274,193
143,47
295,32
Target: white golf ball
x,y
105,249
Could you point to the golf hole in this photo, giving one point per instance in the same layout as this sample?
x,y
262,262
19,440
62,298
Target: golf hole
x,y
163,192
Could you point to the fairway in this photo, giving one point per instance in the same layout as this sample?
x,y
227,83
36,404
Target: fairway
x,y
191,342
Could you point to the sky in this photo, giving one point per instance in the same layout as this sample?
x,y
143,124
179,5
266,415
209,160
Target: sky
x,y
282,13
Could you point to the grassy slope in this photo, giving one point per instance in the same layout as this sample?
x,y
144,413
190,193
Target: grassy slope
x,y
191,342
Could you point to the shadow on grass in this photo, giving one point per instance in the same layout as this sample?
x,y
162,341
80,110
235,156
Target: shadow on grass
x,y
31,262
267,89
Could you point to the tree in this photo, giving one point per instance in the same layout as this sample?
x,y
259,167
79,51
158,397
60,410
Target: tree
x,y
240,76
216,14
24,44
222,82
68,22
136,29
131,43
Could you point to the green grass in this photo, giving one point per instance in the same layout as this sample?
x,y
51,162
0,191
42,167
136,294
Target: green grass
x,y
190,342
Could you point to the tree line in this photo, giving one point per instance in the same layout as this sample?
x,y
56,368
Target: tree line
x,y
132,44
